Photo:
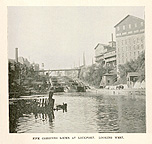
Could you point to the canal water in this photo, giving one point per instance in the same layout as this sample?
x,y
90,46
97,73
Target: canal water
x,y
86,113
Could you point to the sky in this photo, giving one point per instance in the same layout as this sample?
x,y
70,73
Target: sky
x,y
58,36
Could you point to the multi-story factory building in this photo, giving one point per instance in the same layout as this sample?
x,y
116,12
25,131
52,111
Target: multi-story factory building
x,y
129,39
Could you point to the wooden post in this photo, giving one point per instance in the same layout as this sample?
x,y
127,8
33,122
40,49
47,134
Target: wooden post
x,y
51,100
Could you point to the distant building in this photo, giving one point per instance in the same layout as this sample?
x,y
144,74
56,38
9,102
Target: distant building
x,y
100,50
108,79
36,67
132,77
24,61
21,60
106,53
110,57
130,39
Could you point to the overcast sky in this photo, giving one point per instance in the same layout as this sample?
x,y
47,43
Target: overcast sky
x,y
58,36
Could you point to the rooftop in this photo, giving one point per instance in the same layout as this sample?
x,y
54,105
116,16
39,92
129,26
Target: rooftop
x,y
100,44
126,18
132,74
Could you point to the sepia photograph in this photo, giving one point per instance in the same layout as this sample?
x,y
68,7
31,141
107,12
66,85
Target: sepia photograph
x,y
76,69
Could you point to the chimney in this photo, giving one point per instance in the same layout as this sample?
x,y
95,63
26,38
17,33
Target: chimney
x,y
16,54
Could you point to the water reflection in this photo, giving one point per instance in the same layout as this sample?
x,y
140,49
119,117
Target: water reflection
x,y
40,108
121,114
86,114
107,115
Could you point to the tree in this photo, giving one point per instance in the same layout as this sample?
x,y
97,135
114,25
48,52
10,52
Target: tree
x,y
93,74
137,65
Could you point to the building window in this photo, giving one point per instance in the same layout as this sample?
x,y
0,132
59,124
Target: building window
x,y
137,46
134,54
118,28
108,81
137,40
119,60
138,53
122,60
117,43
108,64
129,41
134,47
142,39
134,41
135,25
125,41
114,65
129,26
142,46
123,27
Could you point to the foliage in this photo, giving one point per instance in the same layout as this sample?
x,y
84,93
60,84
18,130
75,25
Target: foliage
x,y
137,65
21,78
93,74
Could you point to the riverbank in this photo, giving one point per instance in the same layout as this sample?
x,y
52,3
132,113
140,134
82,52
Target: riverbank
x,y
105,91
125,92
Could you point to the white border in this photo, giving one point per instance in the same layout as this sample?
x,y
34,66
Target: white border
x,y
6,138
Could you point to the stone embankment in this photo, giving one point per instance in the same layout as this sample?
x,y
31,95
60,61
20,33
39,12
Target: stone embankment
x,y
125,92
